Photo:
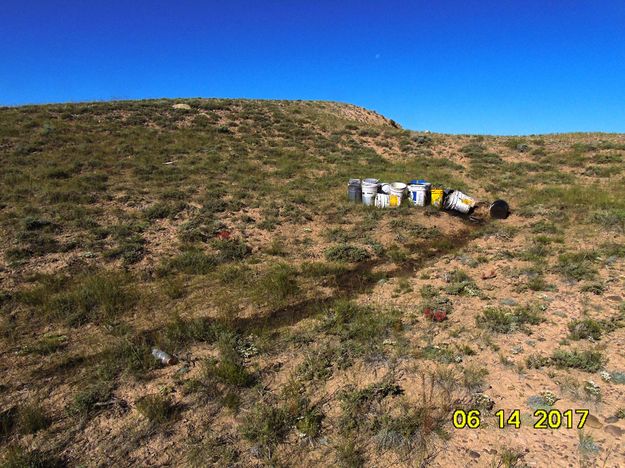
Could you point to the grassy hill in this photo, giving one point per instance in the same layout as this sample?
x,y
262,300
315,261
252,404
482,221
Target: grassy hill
x,y
220,233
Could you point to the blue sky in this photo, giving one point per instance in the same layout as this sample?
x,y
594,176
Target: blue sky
x,y
499,67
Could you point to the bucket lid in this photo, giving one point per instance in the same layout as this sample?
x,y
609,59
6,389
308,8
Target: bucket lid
x,y
398,186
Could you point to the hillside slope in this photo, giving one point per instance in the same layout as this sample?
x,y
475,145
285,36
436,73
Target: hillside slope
x,y
220,233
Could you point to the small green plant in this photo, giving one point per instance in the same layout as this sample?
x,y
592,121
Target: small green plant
x,y
589,361
213,451
32,418
84,402
536,361
577,266
230,371
266,425
587,445
47,344
474,377
585,329
18,457
347,253
309,423
191,262
510,458
461,284
98,298
349,454
231,250
277,286
157,408
505,320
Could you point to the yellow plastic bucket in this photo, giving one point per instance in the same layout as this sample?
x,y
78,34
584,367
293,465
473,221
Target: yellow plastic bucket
x,y
437,197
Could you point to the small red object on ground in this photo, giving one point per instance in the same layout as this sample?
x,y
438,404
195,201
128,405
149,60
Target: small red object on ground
x,y
439,316
224,235
427,312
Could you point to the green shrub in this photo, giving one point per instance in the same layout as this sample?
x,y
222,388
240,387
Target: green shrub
x,y
585,329
229,371
18,457
577,266
362,329
157,408
231,250
536,361
347,253
164,210
192,262
97,298
266,424
589,361
309,423
32,418
504,320
83,403
277,286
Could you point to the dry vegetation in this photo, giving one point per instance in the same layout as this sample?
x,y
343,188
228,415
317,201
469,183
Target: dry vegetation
x,y
220,234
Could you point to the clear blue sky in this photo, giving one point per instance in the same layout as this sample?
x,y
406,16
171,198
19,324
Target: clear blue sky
x,y
472,66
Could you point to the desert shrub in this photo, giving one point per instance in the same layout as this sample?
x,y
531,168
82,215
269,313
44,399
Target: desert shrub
x,y
98,298
461,284
164,210
84,402
157,408
577,266
589,361
357,403
18,457
277,285
536,361
361,329
231,250
585,329
230,369
32,418
347,253
505,320
266,424
191,262
474,377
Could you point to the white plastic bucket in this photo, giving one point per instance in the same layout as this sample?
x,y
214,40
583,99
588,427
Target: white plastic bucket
x,y
418,194
397,193
369,187
459,201
382,200
368,199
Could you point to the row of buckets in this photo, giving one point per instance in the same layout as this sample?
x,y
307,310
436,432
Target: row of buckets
x,y
372,192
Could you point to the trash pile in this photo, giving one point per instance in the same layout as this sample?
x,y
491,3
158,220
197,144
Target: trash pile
x,y
372,192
